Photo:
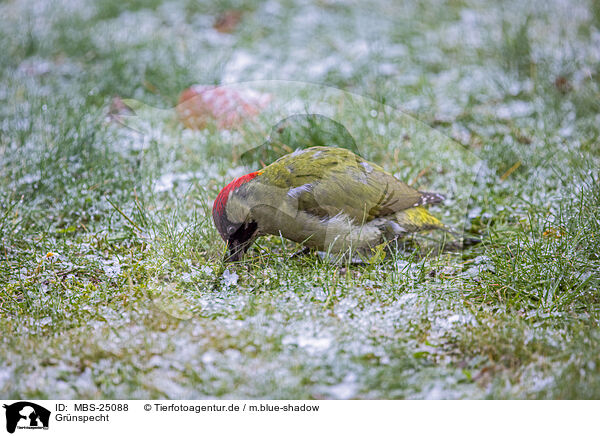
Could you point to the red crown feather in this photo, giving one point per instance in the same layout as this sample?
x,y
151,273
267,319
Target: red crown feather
x,y
221,200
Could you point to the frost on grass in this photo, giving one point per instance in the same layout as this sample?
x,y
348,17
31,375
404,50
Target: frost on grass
x,y
121,314
229,278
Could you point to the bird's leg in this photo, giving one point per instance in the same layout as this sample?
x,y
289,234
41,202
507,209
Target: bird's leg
x,y
389,229
461,244
462,241
405,244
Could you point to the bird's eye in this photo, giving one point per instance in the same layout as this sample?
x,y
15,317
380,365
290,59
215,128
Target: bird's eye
x,y
230,229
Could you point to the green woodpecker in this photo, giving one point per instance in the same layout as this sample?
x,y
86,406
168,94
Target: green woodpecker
x,y
325,198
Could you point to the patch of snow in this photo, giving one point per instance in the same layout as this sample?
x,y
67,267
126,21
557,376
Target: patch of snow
x,y
514,109
237,65
112,268
85,382
344,390
230,278
312,344
210,356
166,182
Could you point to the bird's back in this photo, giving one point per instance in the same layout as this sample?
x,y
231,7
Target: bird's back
x,y
327,181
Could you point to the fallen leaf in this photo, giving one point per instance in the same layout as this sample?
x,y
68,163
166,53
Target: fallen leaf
x,y
227,21
201,105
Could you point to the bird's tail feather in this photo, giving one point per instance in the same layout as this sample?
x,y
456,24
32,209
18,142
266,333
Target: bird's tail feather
x,y
418,219
430,198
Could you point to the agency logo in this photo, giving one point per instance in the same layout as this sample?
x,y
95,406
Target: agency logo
x,y
26,415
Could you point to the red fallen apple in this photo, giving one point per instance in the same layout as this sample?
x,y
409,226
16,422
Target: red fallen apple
x,y
200,105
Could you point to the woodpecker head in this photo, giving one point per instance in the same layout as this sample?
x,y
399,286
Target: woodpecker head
x,y
231,214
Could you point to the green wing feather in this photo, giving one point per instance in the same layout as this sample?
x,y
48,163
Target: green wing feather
x,y
327,181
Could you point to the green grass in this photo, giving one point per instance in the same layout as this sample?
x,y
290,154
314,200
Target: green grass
x,y
111,283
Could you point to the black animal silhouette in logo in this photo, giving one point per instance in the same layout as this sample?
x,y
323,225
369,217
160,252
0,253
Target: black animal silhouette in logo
x,y
31,413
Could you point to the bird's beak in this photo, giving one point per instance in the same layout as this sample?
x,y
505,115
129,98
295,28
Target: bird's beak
x,y
235,250
233,253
